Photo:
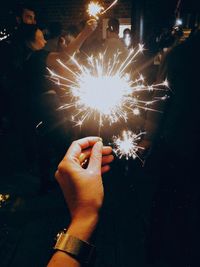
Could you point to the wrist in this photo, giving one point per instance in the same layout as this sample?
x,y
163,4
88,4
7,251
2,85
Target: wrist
x,y
87,31
82,227
72,245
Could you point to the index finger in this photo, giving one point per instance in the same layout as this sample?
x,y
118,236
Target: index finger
x,y
90,21
77,146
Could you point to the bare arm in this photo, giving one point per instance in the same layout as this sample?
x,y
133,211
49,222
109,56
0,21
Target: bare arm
x,y
72,47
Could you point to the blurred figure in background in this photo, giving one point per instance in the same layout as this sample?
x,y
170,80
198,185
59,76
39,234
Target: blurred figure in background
x,y
31,96
174,229
25,14
113,44
9,66
127,38
54,32
39,100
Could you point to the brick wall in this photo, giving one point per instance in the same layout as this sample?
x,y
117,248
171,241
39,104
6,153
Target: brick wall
x,y
72,12
66,11
69,11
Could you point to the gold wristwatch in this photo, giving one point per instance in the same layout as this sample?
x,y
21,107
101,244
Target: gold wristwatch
x,y
81,250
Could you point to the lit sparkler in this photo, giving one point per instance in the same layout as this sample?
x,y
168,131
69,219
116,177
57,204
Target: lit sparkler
x,y
126,144
95,9
103,89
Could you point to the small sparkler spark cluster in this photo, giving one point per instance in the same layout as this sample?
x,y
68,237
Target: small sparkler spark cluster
x,y
126,145
95,9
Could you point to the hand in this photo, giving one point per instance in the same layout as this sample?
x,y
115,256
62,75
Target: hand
x,y
83,190
82,187
90,26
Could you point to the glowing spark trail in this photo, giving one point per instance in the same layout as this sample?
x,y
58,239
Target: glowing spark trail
x,y
103,90
95,9
126,145
115,2
3,35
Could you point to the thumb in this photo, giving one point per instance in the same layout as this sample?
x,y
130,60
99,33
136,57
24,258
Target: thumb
x,y
96,157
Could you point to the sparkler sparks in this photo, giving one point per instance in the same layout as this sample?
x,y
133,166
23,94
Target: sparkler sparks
x,y
95,9
110,6
3,35
126,144
103,89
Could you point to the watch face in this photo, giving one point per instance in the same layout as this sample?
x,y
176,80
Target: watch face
x,y
59,234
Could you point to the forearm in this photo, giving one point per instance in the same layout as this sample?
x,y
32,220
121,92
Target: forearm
x,y
62,259
76,44
81,229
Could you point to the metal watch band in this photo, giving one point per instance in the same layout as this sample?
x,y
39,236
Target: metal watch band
x,y
78,249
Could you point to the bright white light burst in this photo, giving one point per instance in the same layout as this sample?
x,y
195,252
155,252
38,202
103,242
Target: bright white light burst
x,y
103,90
95,9
126,144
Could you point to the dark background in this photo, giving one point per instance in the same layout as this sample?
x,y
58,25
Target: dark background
x,y
29,222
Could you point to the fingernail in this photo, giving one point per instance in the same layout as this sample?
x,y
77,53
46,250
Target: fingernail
x,y
81,157
100,143
100,139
